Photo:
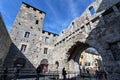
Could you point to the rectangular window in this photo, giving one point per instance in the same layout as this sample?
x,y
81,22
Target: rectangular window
x,y
73,25
45,50
46,39
23,47
27,34
37,21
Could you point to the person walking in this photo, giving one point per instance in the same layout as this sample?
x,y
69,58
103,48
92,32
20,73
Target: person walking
x,y
64,73
105,74
38,70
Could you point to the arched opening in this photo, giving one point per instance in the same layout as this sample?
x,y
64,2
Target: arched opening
x,y
44,64
74,54
57,64
82,57
90,60
92,10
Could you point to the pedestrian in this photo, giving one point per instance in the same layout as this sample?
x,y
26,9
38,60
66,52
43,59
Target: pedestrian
x,y
87,70
64,73
105,75
17,71
44,70
39,71
88,73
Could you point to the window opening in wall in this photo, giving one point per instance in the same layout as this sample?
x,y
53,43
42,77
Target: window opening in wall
x,y
19,23
37,21
31,27
92,11
27,34
46,39
45,50
23,47
73,25
57,64
88,26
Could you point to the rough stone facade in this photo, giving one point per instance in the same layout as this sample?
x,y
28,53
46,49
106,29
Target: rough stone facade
x,y
100,31
28,35
98,27
5,41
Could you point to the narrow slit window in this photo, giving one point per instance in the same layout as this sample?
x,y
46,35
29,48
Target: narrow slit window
x,y
23,47
73,25
46,39
37,21
27,34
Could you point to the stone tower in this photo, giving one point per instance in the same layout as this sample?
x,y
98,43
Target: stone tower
x,y
26,31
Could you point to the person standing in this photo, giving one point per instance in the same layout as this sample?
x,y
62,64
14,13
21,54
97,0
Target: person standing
x,y
38,70
105,74
64,73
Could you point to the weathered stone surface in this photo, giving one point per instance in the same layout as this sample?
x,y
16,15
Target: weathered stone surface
x,y
5,41
100,31
30,19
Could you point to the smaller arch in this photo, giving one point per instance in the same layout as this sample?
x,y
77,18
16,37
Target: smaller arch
x,y
90,59
44,61
57,64
73,25
44,64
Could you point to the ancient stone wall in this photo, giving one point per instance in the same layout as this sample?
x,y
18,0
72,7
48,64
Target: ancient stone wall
x,y
5,41
100,30
29,37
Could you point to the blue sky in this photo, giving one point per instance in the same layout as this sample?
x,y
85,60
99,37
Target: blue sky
x,y
59,13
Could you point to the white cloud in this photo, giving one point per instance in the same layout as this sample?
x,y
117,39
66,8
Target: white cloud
x,y
72,8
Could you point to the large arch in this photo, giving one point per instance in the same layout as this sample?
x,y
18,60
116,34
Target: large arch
x,y
74,55
90,60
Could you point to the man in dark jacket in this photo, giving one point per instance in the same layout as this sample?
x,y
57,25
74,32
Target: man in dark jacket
x,y
38,70
64,73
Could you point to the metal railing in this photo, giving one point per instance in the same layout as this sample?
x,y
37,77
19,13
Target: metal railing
x,y
52,75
